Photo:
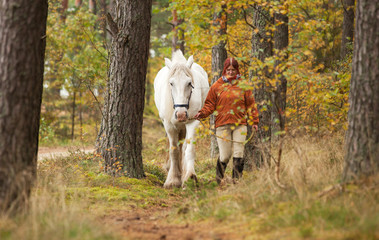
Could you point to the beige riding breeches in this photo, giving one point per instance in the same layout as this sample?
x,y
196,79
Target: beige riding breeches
x,y
230,140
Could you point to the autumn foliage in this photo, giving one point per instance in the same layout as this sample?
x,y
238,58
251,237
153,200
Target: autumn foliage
x,y
318,81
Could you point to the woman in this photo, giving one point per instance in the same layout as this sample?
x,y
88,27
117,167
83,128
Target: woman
x,y
234,108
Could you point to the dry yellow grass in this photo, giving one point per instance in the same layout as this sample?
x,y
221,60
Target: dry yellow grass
x,y
51,216
68,189
259,209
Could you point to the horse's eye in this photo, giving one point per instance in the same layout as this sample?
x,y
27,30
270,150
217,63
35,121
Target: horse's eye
x,y
171,84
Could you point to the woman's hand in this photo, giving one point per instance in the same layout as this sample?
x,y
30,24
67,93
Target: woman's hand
x,y
197,116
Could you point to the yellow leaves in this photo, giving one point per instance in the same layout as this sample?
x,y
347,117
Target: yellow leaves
x,y
308,53
240,4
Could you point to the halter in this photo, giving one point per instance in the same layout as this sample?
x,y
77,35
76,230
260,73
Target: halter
x,y
182,105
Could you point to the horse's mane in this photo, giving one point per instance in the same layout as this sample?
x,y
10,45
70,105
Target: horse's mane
x,y
179,65
177,57
179,68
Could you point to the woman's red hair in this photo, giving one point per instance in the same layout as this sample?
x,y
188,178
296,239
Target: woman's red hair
x,y
228,62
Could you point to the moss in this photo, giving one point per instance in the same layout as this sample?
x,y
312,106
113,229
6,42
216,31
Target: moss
x,y
154,170
106,190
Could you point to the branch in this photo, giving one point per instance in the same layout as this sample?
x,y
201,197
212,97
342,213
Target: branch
x,y
244,62
98,102
93,44
172,25
247,22
339,187
277,166
306,12
268,19
113,26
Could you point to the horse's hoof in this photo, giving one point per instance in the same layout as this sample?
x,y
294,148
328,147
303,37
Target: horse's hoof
x,y
172,185
194,177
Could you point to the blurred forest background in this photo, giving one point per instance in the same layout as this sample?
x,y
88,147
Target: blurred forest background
x,y
317,69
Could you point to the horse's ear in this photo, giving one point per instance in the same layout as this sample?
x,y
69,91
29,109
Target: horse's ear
x,y
189,61
168,63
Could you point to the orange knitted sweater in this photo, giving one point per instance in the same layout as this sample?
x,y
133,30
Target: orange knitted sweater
x,y
230,103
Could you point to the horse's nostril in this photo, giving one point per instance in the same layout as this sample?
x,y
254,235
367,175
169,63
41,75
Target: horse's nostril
x,y
181,116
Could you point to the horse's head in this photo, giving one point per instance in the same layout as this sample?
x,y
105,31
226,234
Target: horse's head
x,y
181,83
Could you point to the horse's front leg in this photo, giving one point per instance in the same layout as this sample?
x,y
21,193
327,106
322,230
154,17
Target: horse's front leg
x,y
174,173
190,153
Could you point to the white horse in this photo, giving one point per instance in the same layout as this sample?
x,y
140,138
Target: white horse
x,y
180,91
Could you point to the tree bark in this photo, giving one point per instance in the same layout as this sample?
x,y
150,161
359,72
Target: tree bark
x,y
73,116
92,6
80,108
219,54
22,52
279,95
121,137
362,138
63,9
102,14
178,33
257,150
78,3
347,27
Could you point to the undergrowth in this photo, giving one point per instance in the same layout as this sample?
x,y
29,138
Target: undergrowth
x,y
258,208
72,192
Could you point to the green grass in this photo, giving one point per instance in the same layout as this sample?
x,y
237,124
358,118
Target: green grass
x,y
297,212
83,179
72,192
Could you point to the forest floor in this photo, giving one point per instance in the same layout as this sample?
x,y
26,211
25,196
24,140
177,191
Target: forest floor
x,y
152,221
74,199
154,224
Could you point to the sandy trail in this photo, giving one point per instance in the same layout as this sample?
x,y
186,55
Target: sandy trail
x,y
150,223
52,152
154,224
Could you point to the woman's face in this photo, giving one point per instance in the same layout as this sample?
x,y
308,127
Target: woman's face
x,y
231,71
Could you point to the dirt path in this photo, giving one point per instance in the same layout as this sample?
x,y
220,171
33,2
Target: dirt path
x,y
51,152
154,224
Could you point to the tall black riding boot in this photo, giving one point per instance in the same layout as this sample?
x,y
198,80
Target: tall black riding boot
x,y
220,170
237,167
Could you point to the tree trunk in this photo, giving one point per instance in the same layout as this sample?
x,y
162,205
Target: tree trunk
x,y
81,115
257,150
175,37
63,9
92,6
219,54
279,95
73,116
78,3
149,86
103,13
121,138
22,52
347,27
362,137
